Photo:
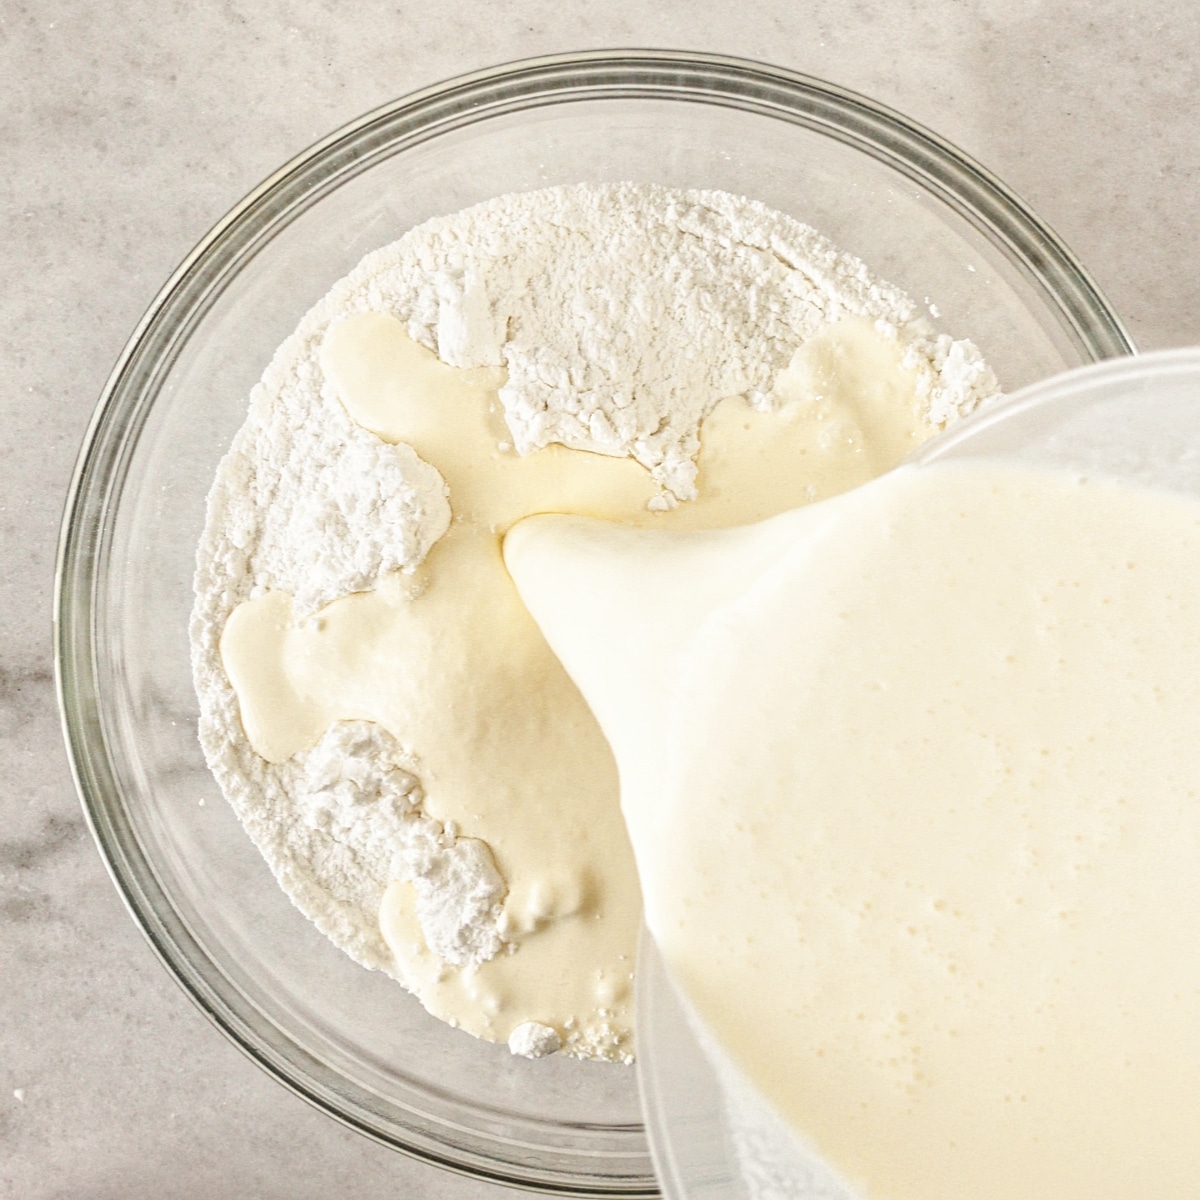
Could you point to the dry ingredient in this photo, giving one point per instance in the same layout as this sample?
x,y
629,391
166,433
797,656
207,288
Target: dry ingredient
x,y
623,320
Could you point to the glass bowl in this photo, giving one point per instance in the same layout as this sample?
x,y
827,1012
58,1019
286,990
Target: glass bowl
x,y
916,210
1134,419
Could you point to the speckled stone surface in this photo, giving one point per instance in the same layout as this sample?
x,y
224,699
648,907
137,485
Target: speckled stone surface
x,y
128,128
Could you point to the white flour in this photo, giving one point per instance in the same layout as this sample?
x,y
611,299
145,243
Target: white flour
x,y
622,314
533,1040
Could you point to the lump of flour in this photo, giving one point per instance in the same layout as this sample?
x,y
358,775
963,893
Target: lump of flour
x,y
621,315
355,788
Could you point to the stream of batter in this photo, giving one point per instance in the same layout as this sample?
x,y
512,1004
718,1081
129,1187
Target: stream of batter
x,y
913,781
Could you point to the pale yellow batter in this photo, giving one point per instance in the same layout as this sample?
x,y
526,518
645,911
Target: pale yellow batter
x,y
917,815
451,663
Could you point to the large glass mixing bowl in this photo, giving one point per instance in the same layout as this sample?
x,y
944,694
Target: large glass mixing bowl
x,y
916,210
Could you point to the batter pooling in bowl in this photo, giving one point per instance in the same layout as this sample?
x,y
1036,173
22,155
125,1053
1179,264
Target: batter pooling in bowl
x,y
405,750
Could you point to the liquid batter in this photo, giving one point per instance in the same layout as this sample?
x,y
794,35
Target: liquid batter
x,y
915,798
452,664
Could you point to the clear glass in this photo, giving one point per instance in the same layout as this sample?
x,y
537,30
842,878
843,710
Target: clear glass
x,y
1134,419
918,211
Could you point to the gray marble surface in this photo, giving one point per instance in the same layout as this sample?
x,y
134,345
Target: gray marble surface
x,y
127,128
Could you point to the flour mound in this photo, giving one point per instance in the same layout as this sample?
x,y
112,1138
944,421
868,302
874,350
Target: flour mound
x,y
354,787
534,1040
622,315
308,502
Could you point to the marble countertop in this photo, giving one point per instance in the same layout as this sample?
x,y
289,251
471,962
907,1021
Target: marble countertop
x,y
128,128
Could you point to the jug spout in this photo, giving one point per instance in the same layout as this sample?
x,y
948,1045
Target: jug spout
x,y
619,604
606,598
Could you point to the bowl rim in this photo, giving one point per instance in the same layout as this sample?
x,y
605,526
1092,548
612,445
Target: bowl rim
x,y
182,302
